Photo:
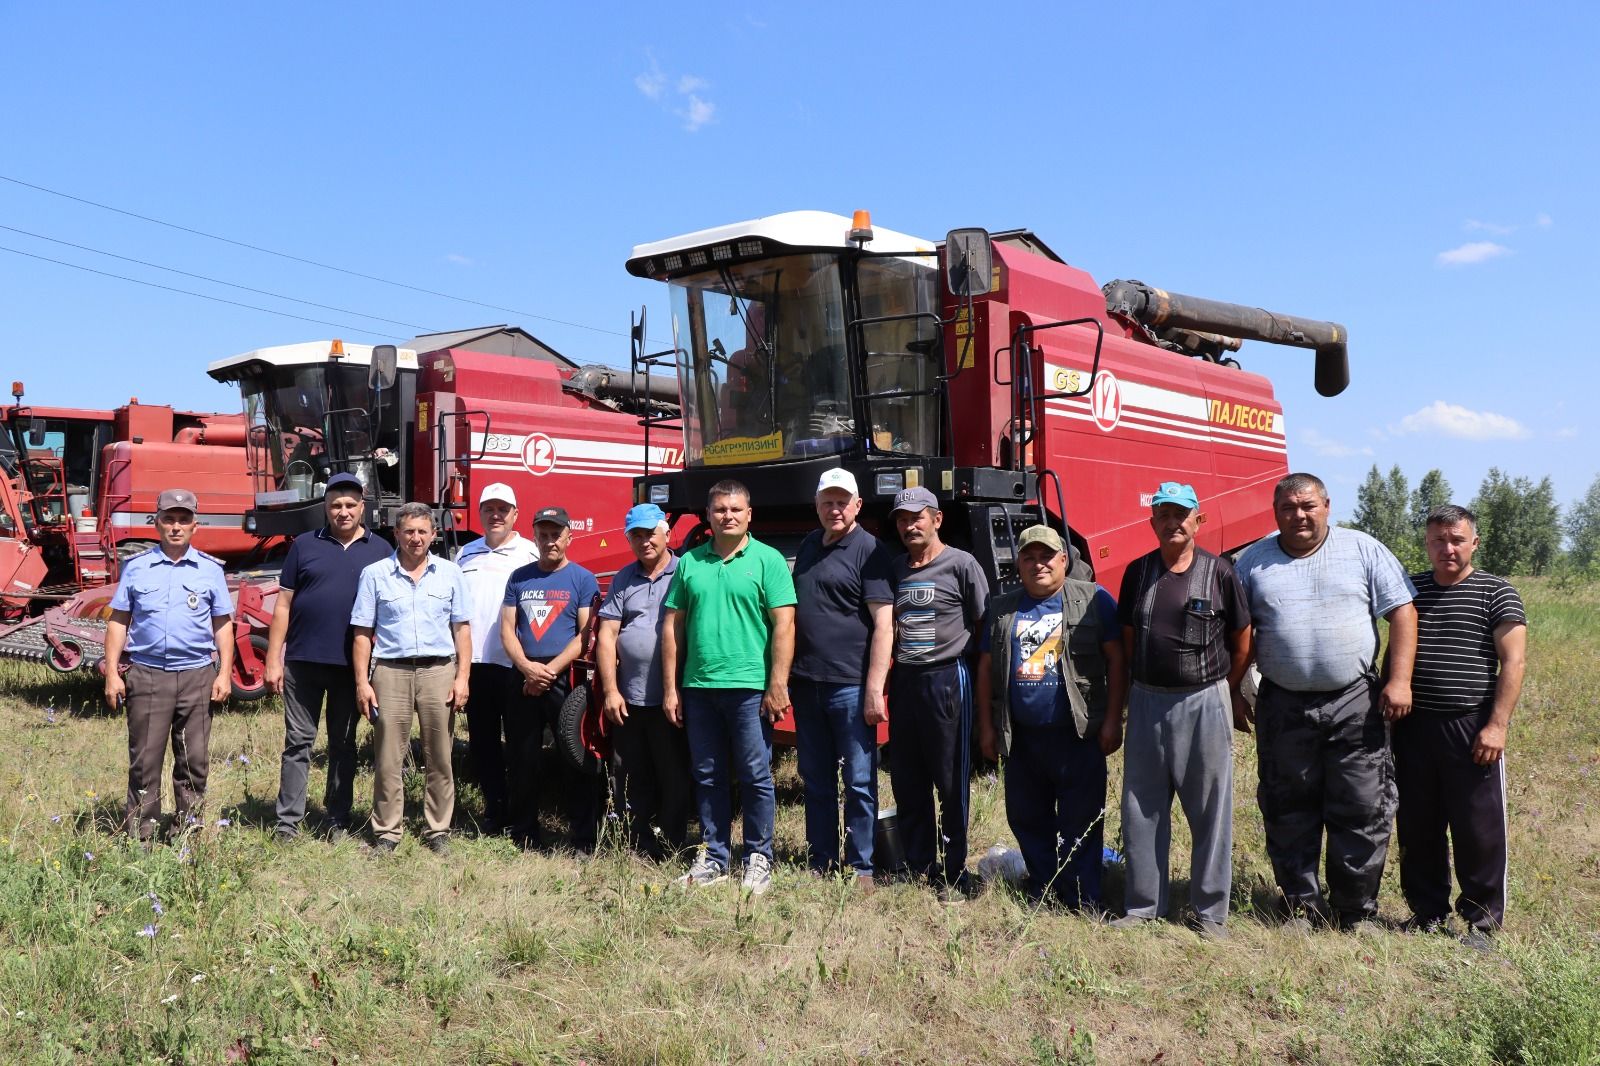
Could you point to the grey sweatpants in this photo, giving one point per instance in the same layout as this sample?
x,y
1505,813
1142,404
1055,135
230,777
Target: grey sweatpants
x,y
1178,743
1326,767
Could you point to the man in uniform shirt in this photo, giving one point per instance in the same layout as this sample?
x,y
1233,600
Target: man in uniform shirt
x,y
171,613
1186,627
844,636
412,656
730,613
1316,593
1050,673
543,615
494,687
1472,635
654,752
940,596
308,653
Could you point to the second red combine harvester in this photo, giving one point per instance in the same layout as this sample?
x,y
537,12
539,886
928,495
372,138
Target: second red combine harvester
x,y
983,367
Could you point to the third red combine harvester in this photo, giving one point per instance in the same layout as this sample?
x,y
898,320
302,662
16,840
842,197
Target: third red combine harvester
x,y
984,367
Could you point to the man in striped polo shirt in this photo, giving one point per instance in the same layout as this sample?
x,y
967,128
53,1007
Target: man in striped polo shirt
x,y
1449,764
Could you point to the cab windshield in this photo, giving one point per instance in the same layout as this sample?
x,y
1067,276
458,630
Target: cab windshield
x,y
308,422
762,362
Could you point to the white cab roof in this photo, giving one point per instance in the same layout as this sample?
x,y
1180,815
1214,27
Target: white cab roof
x,y
793,229
304,353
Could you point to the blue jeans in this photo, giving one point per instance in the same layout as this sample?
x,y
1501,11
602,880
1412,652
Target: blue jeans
x,y
728,737
833,740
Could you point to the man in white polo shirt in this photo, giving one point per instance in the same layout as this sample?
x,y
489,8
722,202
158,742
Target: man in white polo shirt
x,y
485,564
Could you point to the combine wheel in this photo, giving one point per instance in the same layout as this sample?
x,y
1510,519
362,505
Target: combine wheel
x,y
569,732
250,683
66,655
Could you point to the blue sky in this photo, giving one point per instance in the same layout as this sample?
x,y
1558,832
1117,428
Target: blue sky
x,y
1424,176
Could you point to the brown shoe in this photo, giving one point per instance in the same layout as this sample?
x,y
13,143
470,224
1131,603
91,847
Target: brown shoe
x,y
865,884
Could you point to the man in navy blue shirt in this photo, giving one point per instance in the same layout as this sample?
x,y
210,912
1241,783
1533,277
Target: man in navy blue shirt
x,y
1051,669
308,653
542,620
844,639
171,612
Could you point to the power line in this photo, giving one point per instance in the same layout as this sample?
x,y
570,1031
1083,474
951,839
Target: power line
x,y
217,281
299,259
204,296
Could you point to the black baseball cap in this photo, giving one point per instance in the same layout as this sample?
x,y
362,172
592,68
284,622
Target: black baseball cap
x,y
553,515
344,481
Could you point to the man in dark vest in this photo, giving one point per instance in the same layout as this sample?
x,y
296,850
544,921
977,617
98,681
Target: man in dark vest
x,y
1186,627
1051,665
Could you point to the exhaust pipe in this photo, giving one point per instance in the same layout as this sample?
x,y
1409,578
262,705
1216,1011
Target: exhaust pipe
x,y
1153,307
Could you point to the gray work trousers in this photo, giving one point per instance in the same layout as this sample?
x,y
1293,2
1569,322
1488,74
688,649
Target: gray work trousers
x,y
306,685
1326,765
1178,743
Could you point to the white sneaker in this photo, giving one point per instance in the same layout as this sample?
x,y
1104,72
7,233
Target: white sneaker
x,y
705,871
757,874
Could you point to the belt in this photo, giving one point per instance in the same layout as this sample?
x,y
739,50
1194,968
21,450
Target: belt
x,y
1201,687
419,660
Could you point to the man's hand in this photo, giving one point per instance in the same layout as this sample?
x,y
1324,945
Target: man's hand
x,y
672,706
274,678
222,687
1490,745
116,690
539,674
1395,700
367,700
776,703
1243,716
1110,735
457,700
615,708
876,711
988,743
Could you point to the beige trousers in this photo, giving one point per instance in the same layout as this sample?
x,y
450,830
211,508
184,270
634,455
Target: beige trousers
x,y
403,691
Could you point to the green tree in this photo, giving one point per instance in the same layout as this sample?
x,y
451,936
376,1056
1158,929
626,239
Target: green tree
x,y
1583,529
1383,510
1519,523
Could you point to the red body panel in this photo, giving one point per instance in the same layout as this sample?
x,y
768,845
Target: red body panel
x,y
135,474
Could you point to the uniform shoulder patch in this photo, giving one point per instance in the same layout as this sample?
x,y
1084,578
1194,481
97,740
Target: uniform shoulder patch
x,y
210,558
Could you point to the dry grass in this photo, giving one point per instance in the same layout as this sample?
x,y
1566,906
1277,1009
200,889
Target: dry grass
x,y
317,952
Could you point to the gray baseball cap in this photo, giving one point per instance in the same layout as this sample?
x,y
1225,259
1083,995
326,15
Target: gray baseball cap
x,y
176,500
915,500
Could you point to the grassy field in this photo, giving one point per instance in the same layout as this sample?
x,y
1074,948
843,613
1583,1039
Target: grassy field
x,y
227,948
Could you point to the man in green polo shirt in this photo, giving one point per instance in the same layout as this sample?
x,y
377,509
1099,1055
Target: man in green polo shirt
x,y
729,626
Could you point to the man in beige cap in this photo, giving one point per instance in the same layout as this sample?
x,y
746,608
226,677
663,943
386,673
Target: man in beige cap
x,y
173,616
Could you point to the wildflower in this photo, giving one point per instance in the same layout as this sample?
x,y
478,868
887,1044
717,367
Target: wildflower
x,y
183,854
197,978
91,793
191,820
170,1000
30,797
244,760
55,819
148,932
88,856
155,905
223,823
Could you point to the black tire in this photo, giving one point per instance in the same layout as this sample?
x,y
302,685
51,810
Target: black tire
x,y
246,689
569,731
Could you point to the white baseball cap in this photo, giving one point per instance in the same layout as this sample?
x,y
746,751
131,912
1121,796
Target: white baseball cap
x,y
498,491
838,478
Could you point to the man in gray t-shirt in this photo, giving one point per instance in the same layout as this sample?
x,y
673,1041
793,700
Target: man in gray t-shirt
x,y
654,752
940,595
1322,744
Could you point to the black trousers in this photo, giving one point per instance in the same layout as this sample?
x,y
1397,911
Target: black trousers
x,y
655,763
1442,791
1056,805
493,696
930,754
530,766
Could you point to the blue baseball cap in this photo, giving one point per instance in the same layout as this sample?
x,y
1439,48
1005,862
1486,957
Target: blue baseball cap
x,y
1178,493
643,516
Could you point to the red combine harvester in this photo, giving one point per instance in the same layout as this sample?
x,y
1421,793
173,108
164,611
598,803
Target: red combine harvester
x,y
78,497
434,423
985,368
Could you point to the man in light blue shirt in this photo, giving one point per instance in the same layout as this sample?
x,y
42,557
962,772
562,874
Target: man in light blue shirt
x,y
171,612
412,655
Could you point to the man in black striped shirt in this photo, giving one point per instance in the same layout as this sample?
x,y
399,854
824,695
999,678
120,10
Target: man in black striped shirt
x,y
1449,765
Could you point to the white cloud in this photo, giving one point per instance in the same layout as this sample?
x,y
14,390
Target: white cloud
x,y
458,259
1566,433
1330,448
652,82
690,84
1495,228
1452,420
697,113
1471,252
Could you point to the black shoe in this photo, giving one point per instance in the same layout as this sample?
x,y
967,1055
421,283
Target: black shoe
x,y
1427,926
338,833
439,845
284,836
385,847
1478,940
958,890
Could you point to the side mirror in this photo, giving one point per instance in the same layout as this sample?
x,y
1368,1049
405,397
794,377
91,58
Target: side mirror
x,y
636,335
968,261
37,428
381,373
